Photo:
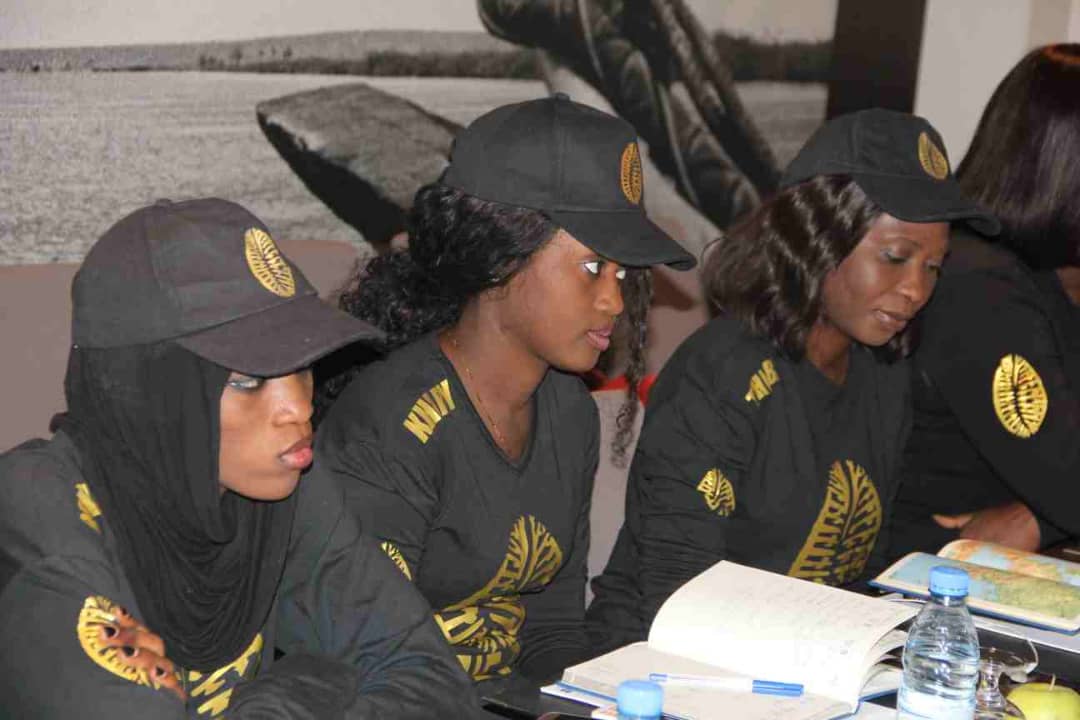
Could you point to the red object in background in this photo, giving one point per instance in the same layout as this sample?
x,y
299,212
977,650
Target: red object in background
x,y
598,381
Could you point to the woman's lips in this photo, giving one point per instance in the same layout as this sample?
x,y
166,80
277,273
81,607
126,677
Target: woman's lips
x,y
894,321
599,339
299,455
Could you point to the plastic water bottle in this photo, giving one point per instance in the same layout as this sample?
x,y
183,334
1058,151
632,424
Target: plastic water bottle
x,y
941,656
639,700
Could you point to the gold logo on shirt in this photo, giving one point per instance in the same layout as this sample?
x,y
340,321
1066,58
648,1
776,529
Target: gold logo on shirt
x,y
398,559
267,264
630,172
761,382
89,511
98,611
932,159
428,410
843,535
219,685
1019,396
718,493
483,628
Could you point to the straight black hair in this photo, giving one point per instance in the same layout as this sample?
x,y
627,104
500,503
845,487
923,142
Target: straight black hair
x,y
1022,164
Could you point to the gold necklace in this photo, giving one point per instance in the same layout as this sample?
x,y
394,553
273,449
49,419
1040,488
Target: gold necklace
x,y
500,439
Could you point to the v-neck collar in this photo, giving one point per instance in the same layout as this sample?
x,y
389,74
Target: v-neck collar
x,y
516,464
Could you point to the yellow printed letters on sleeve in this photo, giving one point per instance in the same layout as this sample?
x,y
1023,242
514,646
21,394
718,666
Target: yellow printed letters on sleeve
x,y
428,410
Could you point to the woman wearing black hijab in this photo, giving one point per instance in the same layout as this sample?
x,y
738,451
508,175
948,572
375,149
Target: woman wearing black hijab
x,y
154,550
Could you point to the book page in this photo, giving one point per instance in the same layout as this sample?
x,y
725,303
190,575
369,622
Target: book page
x,y
1050,638
774,627
1032,600
1011,560
881,680
602,676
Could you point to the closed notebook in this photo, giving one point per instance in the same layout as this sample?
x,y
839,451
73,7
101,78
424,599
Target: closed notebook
x,y
1035,590
738,621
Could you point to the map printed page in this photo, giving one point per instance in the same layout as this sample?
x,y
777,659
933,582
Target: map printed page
x,y
1007,583
773,627
1011,560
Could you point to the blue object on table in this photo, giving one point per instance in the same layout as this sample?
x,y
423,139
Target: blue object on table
x,y
738,684
639,700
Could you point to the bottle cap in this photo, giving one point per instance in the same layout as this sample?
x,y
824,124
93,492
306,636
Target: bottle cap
x,y
640,697
949,581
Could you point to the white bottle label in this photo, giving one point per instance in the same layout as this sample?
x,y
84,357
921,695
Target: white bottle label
x,y
921,705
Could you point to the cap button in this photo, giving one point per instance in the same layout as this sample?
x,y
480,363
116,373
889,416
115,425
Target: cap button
x,y
561,96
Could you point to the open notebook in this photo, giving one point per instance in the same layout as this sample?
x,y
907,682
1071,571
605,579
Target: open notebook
x,y
735,620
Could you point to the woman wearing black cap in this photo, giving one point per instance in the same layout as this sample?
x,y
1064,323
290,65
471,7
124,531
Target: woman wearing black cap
x,y
470,451
993,451
154,550
773,434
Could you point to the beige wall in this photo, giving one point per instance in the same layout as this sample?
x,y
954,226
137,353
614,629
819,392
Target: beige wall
x,y
969,45
35,324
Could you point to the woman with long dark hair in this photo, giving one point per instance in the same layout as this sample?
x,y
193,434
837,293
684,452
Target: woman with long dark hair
x,y
993,453
156,550
773,434
470,451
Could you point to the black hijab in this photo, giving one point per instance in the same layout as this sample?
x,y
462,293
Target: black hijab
x,y
204,566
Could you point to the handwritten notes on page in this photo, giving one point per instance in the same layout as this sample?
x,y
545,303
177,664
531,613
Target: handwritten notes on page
x,y
775,627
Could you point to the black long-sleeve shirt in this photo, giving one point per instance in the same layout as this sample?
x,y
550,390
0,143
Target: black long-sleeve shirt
x,y
358,639
497,546
748,457
996,388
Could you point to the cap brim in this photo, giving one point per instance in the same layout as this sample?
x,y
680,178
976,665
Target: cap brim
x,y
626,236
280,340
926,200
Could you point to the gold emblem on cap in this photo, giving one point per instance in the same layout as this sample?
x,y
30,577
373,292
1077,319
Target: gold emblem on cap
x,y
1019,396
266,263
932,159
630,173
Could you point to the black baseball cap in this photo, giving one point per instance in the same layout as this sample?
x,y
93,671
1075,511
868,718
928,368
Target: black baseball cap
x,y
898,160
207,275
579,166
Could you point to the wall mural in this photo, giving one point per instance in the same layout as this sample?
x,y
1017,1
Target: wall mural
x,y
362,118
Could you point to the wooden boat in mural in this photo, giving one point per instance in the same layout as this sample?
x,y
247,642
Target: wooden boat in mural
x,y
362,151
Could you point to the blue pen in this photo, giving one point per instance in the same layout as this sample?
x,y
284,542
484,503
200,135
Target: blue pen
x,y
738,684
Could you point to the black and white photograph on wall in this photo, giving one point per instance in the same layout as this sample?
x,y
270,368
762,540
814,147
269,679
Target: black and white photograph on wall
x,y
324,116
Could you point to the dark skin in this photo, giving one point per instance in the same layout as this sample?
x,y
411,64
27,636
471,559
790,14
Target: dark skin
x,y
876,290
557,311
1012,524
265,443
142,649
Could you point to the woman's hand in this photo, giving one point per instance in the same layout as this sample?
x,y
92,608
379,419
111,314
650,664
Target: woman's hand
x,y
1012,524
139,648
